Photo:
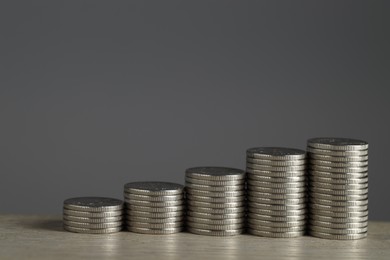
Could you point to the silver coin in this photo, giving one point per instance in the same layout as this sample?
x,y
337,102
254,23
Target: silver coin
x,y
323,196
132,218
275,218
215,183
339,225
263,167
338,158
338,181
145,203
215,227
163,231
154,225
334,214
338,231
215,173
331,186
216,200
215,188
339,169
92,225
215,194
276,207
226,216
332,175
151,188
339,144
277,224
281,202
338,192
88,214
253,172
195,203
255,177
338,220
217,211
337,237
336,153
276,235
278,213
273,185
93,204
220,233
276,153
275,196
207,221
152,209
339,164
349,203
274,162
339,209
155,214
129,196
276,191
276,229
93,220
93,231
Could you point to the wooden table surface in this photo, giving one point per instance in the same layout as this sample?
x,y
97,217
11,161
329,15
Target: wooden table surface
x,y
42,237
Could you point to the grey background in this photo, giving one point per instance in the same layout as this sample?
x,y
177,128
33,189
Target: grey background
x,y
94,94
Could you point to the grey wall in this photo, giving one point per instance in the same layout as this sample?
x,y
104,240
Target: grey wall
x,y
94,94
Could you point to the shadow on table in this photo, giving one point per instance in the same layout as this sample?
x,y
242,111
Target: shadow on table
x,y
43,224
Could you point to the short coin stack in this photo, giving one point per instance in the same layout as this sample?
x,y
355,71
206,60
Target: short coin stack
x,y
154,207
276,192
93,215
215,200
338,188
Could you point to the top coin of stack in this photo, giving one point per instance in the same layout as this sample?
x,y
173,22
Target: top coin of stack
x,y
215,200
276,191
338,188
93,215
154,207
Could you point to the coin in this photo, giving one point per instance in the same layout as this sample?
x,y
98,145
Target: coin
x,y
338,169
276,235
338,231
336,153
215,188
93,204
280,196
332,186
152,209
155,220
339,220
215,205
147,214
88,214
339,209
276,218
161,198
338,197
275,163
145,203
339,164
263,167
339,225
329,213
150,188
92,225
215,183
154,225
93,220
339,144
215,194
338,181
215,227
227,221
279,224
338,192
275,190
286,202
282,174
93,231
349,203
218,216
218,211
276,207
205,232
255,177
279,213
344,176
215,173
337,237
216,200
276,229
150,231
338,158
276,153
273,185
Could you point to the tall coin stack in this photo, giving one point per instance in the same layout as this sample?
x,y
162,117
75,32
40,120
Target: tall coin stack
x,y
215,201
93,215
154,207
338,188
276,192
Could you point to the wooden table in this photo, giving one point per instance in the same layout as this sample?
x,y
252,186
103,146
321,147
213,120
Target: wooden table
x,y
42,237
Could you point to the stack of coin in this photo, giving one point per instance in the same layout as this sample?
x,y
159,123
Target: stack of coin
x,y
338,188
93,215
154,207
215,201
276,192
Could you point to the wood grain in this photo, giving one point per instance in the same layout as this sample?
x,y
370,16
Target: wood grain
x,y
42,237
